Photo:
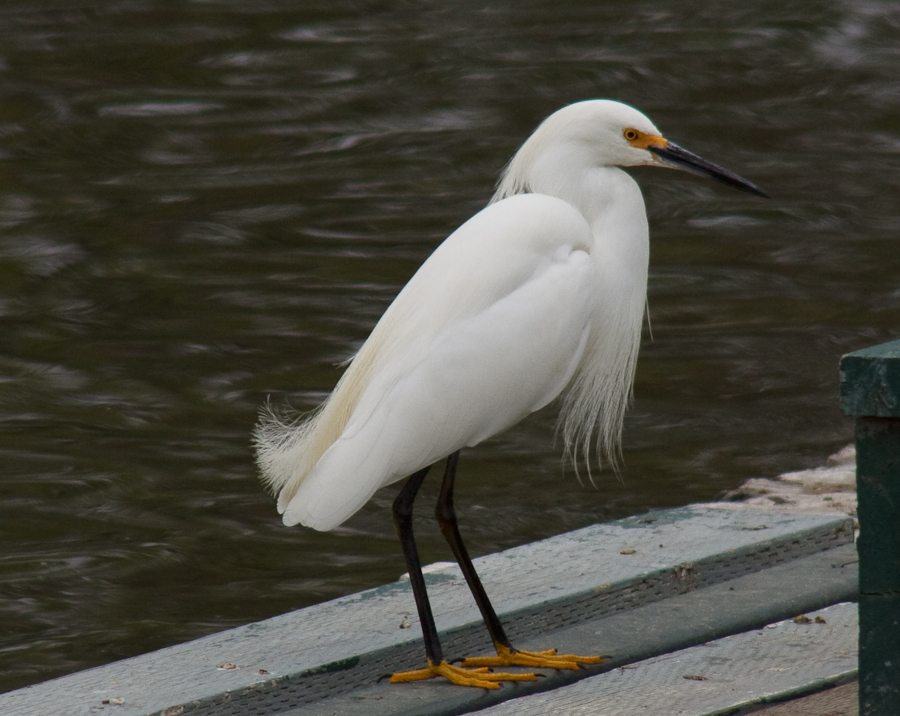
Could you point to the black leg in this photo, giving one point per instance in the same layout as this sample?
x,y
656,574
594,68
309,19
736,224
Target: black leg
x,y
446,517
506,654
403,507
480,675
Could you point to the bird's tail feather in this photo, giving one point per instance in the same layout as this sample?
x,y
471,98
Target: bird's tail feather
x,y
289,444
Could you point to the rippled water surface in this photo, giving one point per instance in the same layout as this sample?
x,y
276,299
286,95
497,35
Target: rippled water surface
x,y
206,203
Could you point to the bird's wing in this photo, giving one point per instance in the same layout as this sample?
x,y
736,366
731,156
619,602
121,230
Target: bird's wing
x,y
490,329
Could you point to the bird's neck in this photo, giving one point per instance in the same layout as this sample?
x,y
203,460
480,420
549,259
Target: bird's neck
x,y
607,197
611,202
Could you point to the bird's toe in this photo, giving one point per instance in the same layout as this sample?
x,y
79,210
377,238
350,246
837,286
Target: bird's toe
x,y
547,659
481,676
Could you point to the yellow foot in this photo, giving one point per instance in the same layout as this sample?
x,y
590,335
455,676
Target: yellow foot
x,y
463,677
541,659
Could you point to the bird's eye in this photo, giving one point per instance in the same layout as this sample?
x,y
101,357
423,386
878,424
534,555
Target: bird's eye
x,y
631,134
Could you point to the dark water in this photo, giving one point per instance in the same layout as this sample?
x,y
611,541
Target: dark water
x,y
206,203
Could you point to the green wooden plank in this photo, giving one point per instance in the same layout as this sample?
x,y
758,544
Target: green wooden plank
x,y
878,484
870,390
870,381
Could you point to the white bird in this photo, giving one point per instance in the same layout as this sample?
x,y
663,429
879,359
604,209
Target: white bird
x,y
540,294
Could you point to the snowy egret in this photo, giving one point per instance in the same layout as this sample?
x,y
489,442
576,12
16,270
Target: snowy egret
x,y
542,293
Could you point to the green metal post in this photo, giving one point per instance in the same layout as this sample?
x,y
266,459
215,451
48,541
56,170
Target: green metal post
x,y
870,390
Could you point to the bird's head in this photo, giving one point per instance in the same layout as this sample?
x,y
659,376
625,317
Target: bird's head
x,y
605,133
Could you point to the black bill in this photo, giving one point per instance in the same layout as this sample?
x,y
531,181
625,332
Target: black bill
x,y
677,158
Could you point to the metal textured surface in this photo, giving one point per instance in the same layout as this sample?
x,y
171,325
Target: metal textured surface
x,y
841,700
870,381
696,617
304,656
787,659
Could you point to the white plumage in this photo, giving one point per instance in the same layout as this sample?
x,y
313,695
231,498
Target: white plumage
x,y
539,294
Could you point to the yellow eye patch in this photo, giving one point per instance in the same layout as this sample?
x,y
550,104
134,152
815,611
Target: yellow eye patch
x,y
640,140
